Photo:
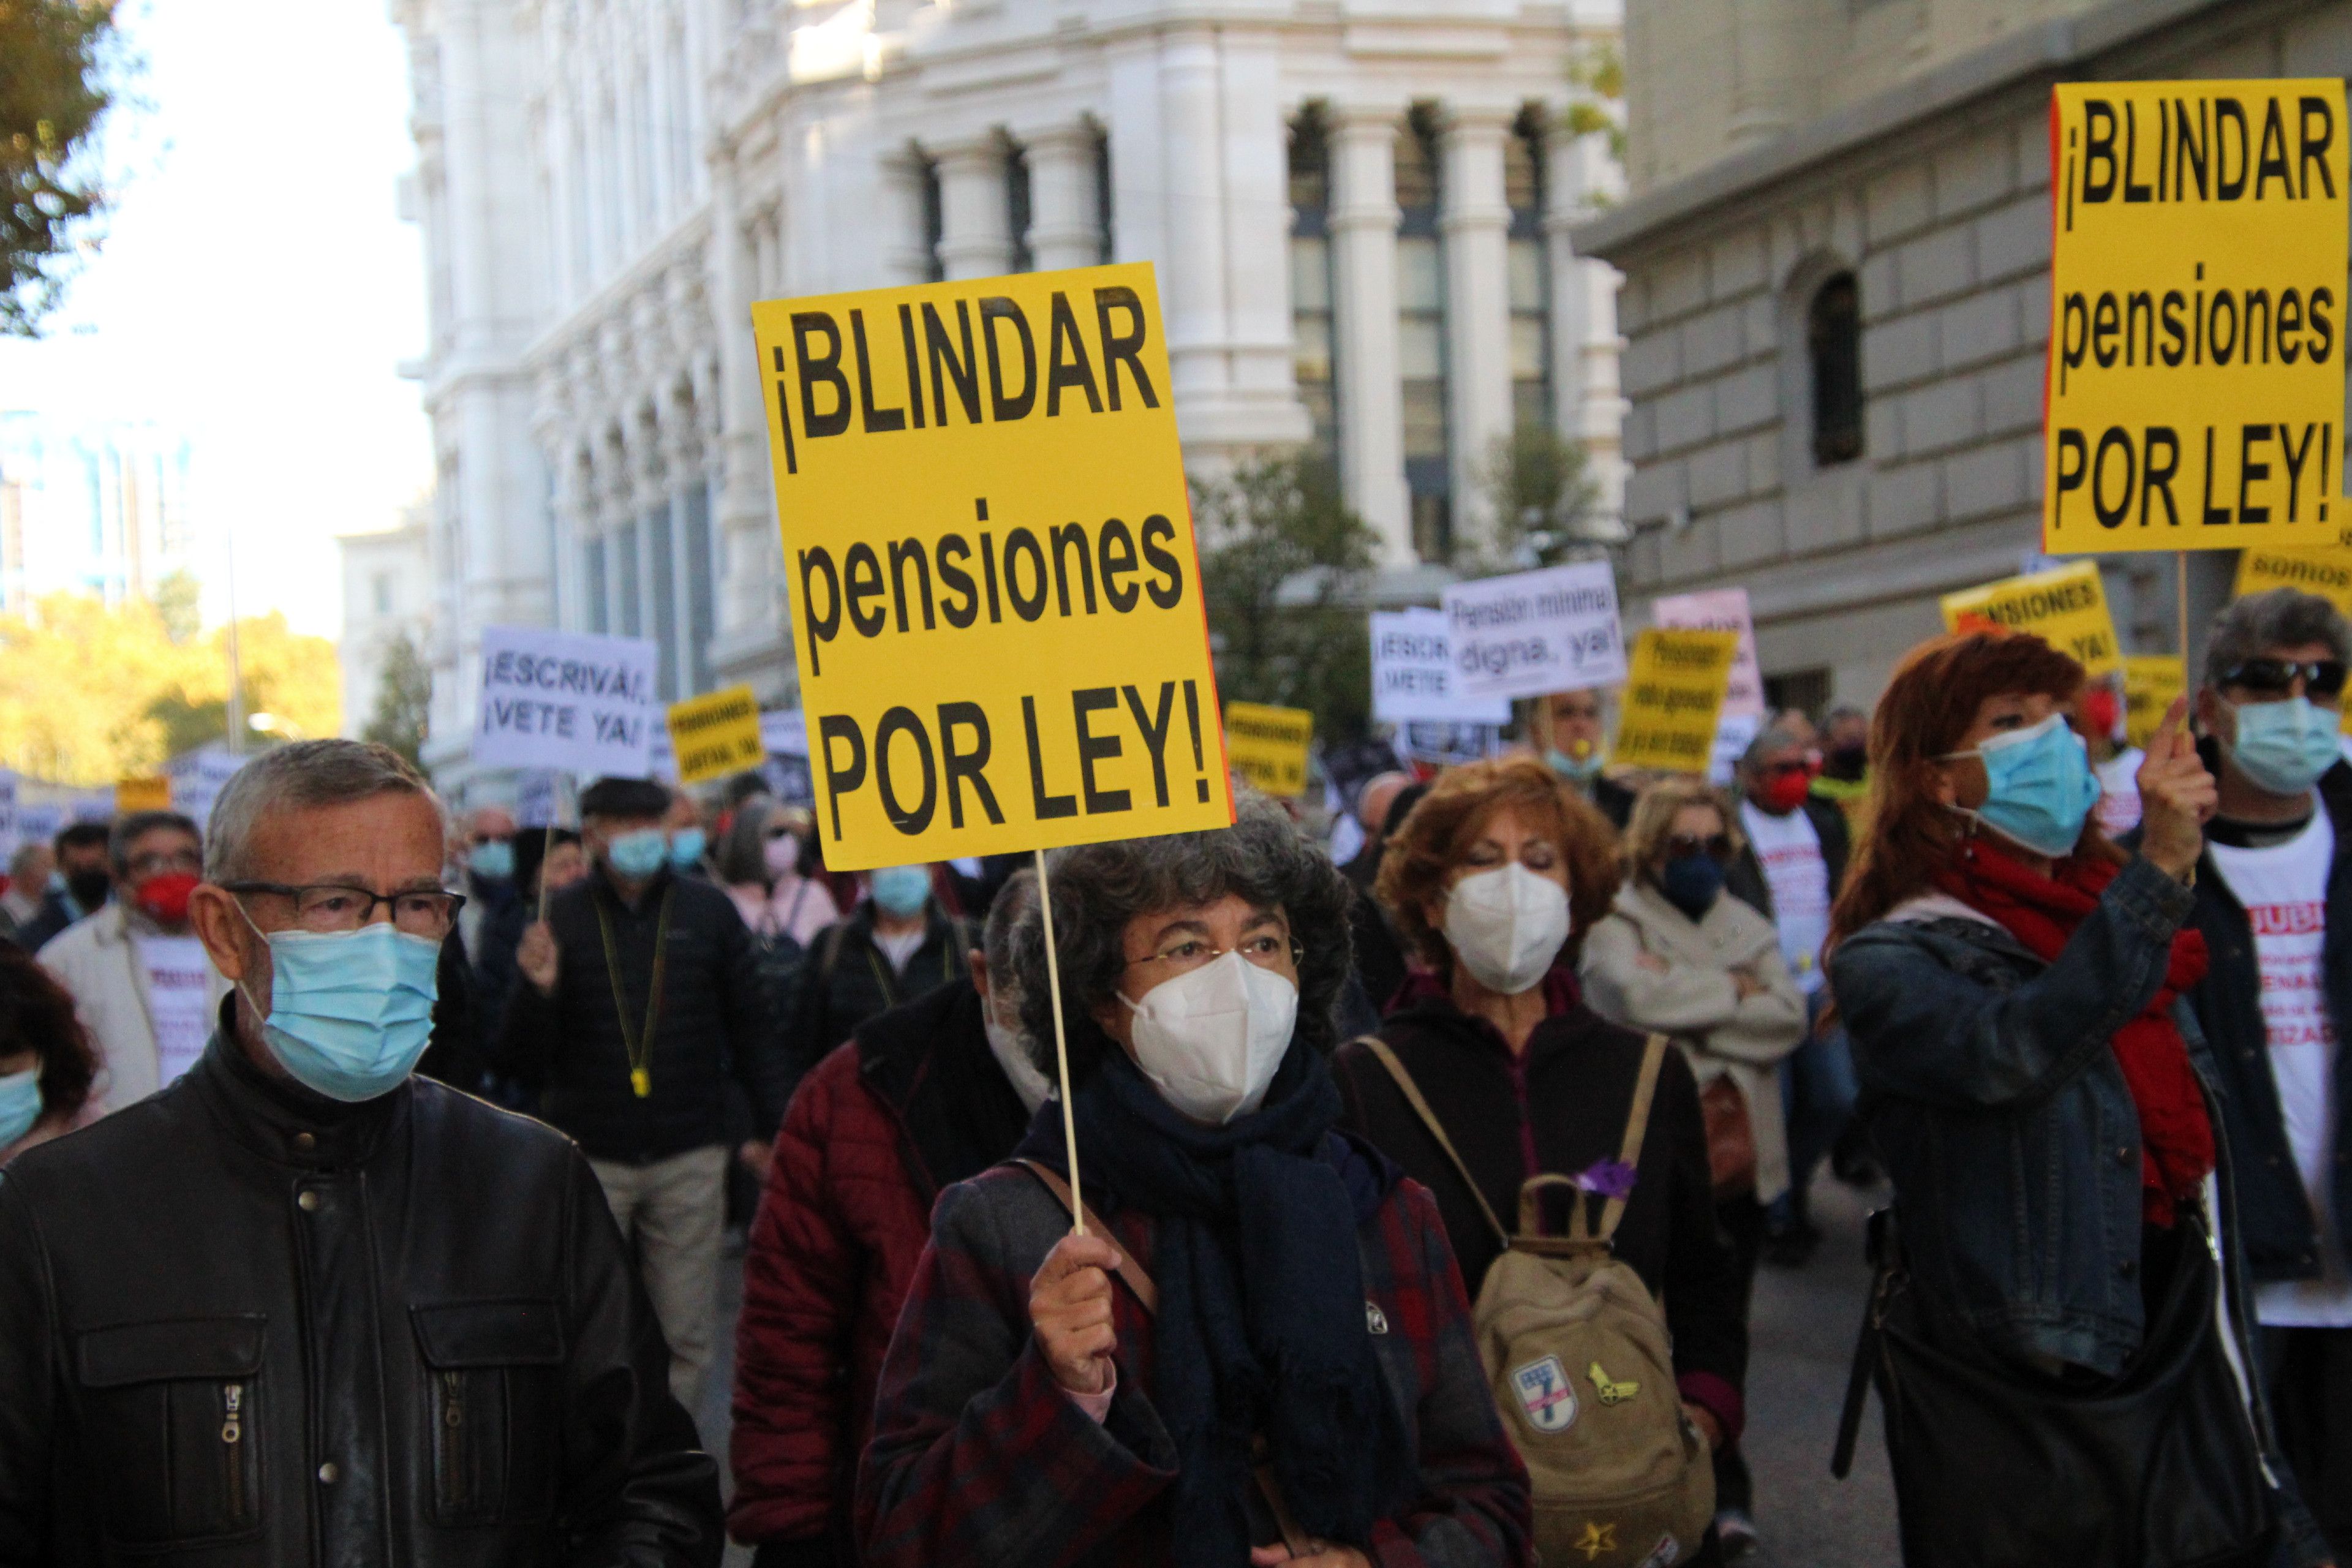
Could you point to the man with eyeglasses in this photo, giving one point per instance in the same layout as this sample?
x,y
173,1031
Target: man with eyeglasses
x,y
303,1308
2273,897
1789,870
135,969
1572,733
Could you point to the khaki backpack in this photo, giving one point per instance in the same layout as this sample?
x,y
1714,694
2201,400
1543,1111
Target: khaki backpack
x,y
1583,1368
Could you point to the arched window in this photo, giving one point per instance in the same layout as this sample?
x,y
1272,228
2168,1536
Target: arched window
x,y
1311,334
1834,337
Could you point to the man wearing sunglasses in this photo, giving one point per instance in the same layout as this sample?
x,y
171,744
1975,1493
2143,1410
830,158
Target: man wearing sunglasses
x,y
2275,902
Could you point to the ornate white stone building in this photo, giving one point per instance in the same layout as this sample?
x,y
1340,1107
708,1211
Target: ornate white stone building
x,y
1360,211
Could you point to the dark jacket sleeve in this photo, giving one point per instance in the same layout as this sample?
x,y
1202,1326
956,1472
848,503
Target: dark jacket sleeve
x,y
523,1045
27,1385
978,1456
1705,1301
1923,1032
752,1047
800,1296
637,1487
1837,840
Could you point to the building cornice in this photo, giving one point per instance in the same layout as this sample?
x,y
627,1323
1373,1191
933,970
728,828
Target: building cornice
x,y
2029,58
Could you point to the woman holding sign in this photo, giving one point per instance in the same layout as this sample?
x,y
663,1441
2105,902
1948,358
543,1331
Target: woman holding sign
x,y
1265,1355
2060,1332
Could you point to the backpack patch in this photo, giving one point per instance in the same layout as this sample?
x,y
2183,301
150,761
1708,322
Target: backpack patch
x,y
1611,1392
1546,1395
1666,1553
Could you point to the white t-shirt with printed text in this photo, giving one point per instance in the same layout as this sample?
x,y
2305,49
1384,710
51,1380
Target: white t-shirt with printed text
x,y
179,985
2283,888
1789,850
2118,812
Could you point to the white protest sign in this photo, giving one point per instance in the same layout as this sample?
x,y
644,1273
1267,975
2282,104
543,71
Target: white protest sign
x,y
1721,610
535,799
586,705
1732,738
1534,632
39,820
197,778
784,733
1413,673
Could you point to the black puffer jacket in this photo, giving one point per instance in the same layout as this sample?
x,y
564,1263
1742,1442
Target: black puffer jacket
x,y
846,979
714,1023
244,1325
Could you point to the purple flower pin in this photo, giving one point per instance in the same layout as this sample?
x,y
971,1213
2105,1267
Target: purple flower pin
x,y
1610,1178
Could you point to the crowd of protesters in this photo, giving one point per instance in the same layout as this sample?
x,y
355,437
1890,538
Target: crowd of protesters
x,y
1424,1191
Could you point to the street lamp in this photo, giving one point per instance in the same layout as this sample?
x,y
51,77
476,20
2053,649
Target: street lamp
x,y
272,724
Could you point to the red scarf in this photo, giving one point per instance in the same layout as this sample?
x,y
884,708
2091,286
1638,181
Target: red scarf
x,y
2176,1141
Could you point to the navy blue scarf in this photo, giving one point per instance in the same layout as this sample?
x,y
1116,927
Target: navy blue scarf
x,y
1262,1323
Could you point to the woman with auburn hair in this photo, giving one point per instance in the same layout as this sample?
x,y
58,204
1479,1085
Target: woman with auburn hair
x,y
2042,1098
1493,879
47,1063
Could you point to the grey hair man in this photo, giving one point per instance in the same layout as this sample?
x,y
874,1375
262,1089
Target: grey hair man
x,y
135,969
2275,902
28,880
304,1308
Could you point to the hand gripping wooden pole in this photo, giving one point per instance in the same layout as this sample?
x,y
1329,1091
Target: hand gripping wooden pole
x,y
1061,1051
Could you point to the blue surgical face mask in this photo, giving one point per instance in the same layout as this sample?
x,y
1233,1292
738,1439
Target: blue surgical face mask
x,y
20,1104
2283,747
1691,883
639,855
902,890
1571,768
492,860
2042,787
350,1012
686,848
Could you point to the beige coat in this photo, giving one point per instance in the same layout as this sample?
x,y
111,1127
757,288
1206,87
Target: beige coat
x,y
95,959
1647,966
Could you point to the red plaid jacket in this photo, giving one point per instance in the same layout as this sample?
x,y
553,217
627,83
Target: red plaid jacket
x,y
979,1457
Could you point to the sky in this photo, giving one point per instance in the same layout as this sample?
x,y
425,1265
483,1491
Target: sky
x,y
255,288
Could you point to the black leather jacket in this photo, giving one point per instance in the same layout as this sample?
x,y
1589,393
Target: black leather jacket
x,y
241,1324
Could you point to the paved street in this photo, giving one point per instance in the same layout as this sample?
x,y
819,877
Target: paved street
x,y
1804,1330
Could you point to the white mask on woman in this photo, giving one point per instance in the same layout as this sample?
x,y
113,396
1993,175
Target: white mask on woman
x,y
1505,926
1210,1040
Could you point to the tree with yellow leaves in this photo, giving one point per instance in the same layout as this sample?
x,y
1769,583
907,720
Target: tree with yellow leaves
x,y
90,694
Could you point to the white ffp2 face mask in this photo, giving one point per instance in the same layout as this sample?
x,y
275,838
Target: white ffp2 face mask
x,y
1010,1046
1209,1041
1507,926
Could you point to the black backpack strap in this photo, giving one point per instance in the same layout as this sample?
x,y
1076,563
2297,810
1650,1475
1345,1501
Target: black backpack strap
x,y
1883,1252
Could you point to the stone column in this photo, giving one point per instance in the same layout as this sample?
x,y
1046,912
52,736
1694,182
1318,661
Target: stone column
x,y
1065,211
905,249
1477,224
743,520
975,214
1363,234
1192,292
1764,38
1580,175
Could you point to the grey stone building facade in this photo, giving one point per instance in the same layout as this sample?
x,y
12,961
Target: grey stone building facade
x,y
1835,338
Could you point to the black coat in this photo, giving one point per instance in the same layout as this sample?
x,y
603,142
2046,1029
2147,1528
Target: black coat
x,y
52,917
1574,1084
845,979
1744,877
244,1324
2275,1222
713,1024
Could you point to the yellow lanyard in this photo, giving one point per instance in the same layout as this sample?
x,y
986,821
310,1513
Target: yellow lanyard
x,y
640,1049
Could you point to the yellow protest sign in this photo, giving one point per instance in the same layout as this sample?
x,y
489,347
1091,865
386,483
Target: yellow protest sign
x,y
2150,683
716,735
1268,745
1674,696
995,597
2327,573
2197,277
2067,608
142,794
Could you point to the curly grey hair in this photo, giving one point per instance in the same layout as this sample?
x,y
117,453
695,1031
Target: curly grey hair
x,y
2280,617
1099,888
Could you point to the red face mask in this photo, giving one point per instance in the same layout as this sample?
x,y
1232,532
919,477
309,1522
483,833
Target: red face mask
x,y
1784,792
165,898
2100,710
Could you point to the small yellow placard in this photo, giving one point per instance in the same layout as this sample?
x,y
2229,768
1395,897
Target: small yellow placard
x,y
1673,697
988,545
716,735
2327,573
144,795
2195,392
1268,745
2067,608
2151,680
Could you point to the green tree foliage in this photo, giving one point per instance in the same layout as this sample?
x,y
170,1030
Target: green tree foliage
x,y
403,696
1282,563
177,600
1599,69
1541,486
54,86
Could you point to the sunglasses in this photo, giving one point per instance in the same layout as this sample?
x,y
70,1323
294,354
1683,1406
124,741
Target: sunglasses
x,y
1716,847
2276,677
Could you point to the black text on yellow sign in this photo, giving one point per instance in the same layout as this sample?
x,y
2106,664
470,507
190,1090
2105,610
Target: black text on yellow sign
x,y
2196,374
715,735
996,601
1268,746
1674,687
